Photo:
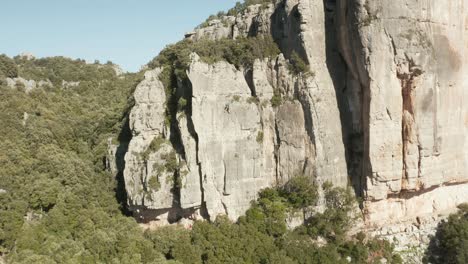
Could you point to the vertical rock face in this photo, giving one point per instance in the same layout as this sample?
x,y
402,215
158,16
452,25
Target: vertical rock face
x,y
142,161
227,127
382,108
409,59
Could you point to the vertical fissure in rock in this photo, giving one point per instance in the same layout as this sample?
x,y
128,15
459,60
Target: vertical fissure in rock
x,y
276,154
248,75
224,179
193,133
409,133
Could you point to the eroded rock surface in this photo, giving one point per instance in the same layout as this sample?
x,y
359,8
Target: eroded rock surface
x,y
408,60
382,108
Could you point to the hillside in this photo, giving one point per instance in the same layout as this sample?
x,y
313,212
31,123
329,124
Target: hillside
x,y
292,131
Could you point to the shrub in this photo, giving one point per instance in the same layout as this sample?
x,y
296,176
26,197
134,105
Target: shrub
x,y
276,100
450,244
300,192
153,147
241,7
8,67
297,64
153,184
260,137
175,59
181,104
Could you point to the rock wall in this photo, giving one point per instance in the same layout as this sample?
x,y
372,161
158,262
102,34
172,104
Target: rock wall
x,y
408,60
383,109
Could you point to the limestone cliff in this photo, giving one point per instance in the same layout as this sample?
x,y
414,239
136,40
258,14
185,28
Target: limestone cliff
x,y
383,110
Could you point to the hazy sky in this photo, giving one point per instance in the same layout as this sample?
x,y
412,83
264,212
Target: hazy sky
x,y
129,33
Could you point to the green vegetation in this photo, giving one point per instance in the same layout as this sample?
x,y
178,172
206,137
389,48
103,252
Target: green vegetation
x,y
298,65
175,59
182,104
154,146
154,184
260,137
8,68
261,236
241,7
58,69
253,100
240,52
60,205
276,100
450,244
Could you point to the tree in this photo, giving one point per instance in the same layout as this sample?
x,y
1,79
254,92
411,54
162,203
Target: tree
x,y
450,244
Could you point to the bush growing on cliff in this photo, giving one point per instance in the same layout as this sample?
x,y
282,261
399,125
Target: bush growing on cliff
x,y
298,65
175,59
241,7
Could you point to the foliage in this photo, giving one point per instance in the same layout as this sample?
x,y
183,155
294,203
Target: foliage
x,y
175,60
182,104
154,146
8,68
154,184
450,244
297,65
240,52
261,236
241,7
259,137
300,192
335,221
276,100
59,205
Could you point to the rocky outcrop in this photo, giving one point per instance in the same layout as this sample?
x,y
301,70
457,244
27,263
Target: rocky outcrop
x,y
256,19
234,141
408,60
382,108
27,85
142,164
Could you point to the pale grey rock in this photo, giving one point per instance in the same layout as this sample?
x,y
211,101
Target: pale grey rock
x,y
27,56
253,21
191,192
25,118
147,123
2,191
215,30
45,83
227,126
318,96
147,117
262,78
28,85
383,103
410,64
111,158
69,85
295,152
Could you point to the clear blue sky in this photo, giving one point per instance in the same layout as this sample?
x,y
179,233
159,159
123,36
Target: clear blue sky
x,y
126,32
